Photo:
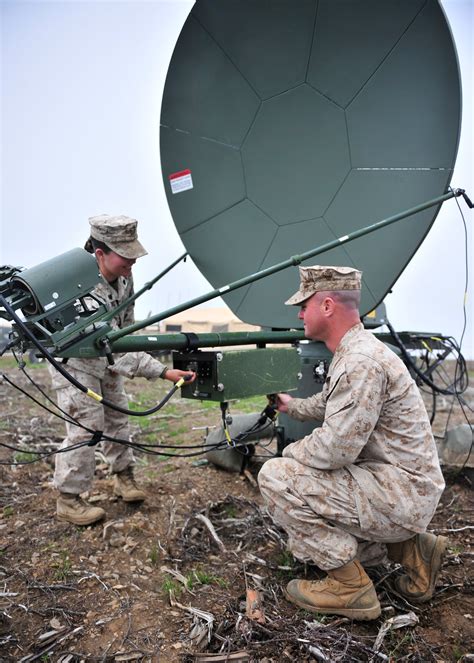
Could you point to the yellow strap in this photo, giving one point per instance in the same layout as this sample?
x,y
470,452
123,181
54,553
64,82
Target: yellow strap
x,y
93,395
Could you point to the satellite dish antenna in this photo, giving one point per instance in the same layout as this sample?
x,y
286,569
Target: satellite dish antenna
x,y
286,125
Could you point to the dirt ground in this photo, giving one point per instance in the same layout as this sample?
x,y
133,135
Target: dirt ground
x,y
169,580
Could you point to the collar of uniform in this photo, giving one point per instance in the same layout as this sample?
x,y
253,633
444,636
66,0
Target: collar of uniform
x,y
346,340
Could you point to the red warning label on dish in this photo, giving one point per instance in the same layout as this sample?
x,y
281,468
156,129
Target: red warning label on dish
x,y
181,181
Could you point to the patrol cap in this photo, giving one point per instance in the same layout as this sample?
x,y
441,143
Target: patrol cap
x,y
322,278
119,233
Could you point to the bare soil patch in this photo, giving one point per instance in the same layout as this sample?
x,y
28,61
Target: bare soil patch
x,y
137,587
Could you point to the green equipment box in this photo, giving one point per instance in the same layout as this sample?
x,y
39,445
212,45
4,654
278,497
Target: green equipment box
x,y
230,374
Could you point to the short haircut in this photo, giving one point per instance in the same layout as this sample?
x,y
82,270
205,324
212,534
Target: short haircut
x,y
350,299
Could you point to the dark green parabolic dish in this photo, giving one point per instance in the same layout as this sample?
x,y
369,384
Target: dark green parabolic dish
x,y
302,121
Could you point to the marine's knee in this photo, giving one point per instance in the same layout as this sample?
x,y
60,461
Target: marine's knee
x,y
269,471
277,474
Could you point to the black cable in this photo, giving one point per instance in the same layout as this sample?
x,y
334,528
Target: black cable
x,y
68,418
70,378
151,453
455,389
461,401
28,395
222,445
9,346
409,361
108,438
144,448
42,454
148,449
153,450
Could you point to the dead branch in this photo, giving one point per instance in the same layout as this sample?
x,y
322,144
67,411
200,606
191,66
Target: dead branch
x,y
211,529
458,529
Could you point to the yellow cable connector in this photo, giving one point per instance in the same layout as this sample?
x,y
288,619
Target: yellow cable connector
x,y
180,383
93,395
228,437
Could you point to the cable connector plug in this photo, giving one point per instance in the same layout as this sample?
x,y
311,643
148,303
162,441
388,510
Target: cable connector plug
x,y
467,200
96,438
271,410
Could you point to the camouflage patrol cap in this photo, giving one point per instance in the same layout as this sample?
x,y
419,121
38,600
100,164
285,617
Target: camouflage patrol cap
x,y
119,233
322,278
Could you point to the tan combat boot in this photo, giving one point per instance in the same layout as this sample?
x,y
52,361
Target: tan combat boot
x,y
125,486
73,509
421,557
346,591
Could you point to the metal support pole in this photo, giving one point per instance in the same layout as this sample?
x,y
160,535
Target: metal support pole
x,y
155,342
294,260
148,286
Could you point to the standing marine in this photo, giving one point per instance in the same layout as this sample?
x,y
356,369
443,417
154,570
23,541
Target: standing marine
x,y
114,241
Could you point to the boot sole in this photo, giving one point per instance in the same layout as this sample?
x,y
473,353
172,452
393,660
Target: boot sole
x,y
437,557
134,499
65,519
437,561
359,614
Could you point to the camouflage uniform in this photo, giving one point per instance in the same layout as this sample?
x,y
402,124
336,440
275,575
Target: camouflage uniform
x,y
75,469
371,472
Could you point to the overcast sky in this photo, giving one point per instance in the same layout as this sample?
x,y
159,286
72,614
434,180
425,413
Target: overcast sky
x,y
81,87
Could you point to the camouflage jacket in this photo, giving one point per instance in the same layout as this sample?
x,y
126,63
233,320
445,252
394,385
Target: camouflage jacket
x,y
131,364
376,426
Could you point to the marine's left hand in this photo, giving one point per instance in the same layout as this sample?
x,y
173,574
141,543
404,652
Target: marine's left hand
x,y
175,374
